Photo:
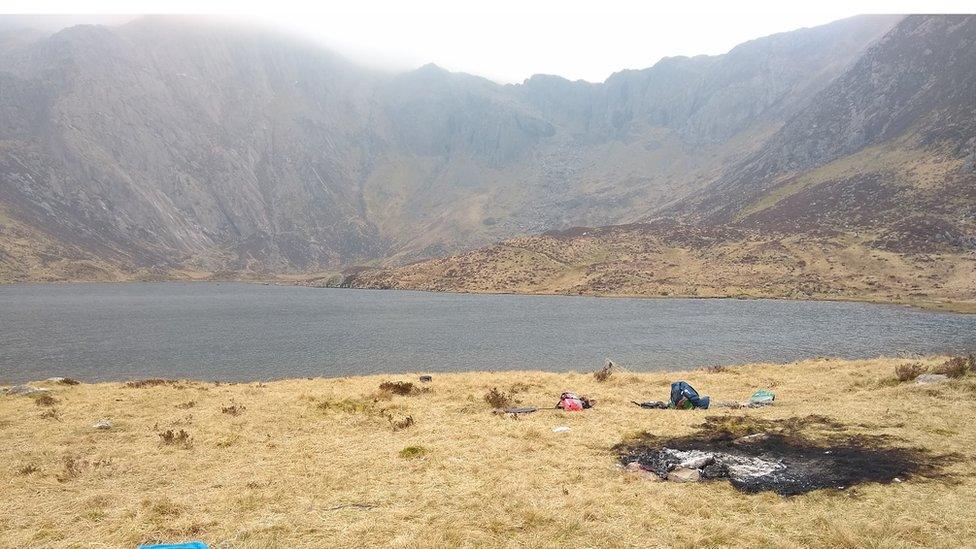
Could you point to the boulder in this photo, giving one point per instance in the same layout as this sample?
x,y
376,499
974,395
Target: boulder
x,y
102,424
931,378
683,474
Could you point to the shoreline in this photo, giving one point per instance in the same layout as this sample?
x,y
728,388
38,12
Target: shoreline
x,y
414,376
966,308
931,306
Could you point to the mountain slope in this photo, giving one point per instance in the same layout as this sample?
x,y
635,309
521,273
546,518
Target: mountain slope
x,y
656,260
869,192
890,139
170,145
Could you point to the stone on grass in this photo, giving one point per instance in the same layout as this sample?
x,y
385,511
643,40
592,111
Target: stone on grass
x,y
931,378
683,474
25,390
102,424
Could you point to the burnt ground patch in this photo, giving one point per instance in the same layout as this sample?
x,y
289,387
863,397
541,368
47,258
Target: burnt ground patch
x,y
791,456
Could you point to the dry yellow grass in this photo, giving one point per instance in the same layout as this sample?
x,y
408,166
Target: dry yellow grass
x,y
632,262
286,471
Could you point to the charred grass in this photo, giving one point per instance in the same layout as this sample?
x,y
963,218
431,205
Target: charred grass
x,y
818,452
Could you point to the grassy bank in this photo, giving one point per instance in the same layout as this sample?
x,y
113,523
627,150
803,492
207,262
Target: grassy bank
x,y
325,462
646,261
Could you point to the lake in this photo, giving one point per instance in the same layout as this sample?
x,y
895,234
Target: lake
x,y
241,332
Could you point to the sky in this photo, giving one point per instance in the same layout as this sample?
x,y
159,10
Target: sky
x,y
504,40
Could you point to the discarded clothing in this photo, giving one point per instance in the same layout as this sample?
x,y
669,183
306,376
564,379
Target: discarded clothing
x,y
762,397
685,397
571,402
515,411
187,545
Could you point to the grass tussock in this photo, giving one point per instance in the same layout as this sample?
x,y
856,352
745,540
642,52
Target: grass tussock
x,y
147,383
72,467
348,406
181,438
401,388
28,469
51,413
909,371
399,424
603,374
285,472
413,452
955,367
45,399
233,410
496,398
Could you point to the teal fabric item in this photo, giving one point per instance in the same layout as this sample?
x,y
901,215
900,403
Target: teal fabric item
x,y
187,545
762,396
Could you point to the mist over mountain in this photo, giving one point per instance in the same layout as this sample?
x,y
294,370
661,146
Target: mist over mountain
x,y
169,146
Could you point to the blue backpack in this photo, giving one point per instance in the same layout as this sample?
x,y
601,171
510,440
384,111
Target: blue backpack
x,y
684,396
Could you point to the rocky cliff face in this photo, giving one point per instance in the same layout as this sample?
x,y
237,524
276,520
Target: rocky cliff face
x,y
170,144
891,138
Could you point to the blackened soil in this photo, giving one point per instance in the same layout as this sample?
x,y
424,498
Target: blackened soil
x,y
817,453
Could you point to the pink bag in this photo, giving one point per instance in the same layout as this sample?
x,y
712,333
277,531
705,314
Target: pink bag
x,y
572,405
571,402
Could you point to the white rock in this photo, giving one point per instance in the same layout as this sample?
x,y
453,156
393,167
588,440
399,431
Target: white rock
x,y
102,424
931,378
24,390
562,429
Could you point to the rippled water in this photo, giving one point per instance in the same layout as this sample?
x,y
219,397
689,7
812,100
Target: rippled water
x,y
248,332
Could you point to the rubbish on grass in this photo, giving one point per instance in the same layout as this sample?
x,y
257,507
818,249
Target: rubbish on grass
x,y
571,402
685,397
187,545
787,456
653,404
762,397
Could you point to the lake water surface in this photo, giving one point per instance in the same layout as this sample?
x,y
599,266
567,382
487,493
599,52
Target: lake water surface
x,y
226,331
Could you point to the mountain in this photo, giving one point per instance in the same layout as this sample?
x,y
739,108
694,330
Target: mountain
x,y
174,147
888,146
867,192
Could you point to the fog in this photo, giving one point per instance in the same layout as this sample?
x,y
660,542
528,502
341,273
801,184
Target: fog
x,y
504,40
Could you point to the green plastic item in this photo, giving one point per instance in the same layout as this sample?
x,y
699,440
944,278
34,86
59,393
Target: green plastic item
x,y
762,396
